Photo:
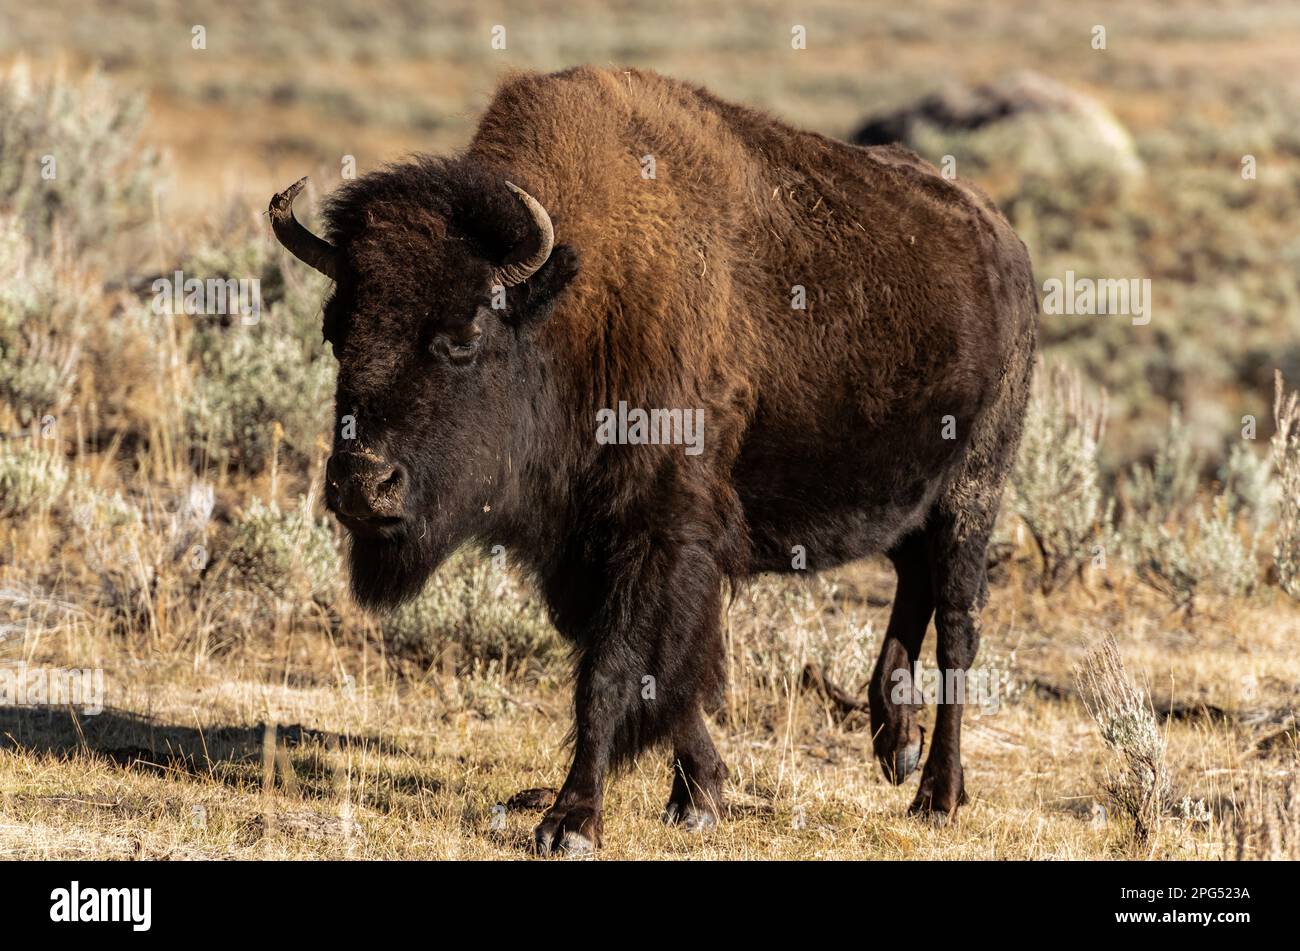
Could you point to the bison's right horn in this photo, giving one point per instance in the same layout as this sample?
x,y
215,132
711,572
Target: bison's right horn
x,y
533,252
297,240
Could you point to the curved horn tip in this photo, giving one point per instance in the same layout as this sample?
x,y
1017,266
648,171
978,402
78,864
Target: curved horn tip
x,y
283,201
297,240
543,239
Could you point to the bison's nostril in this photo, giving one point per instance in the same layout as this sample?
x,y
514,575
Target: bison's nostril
x,y
391,483
365,486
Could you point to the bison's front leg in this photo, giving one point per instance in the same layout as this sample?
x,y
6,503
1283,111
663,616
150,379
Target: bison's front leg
x,y
573,825
605,702
695,801
649,655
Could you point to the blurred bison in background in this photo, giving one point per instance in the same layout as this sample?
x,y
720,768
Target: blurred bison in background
x,y
853,334
1022,126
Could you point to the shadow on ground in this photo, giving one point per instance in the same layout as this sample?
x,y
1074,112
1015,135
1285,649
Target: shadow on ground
x,y
238,756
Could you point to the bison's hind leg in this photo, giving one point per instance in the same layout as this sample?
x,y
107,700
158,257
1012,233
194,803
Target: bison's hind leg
x,y
957,535
958,578
897,735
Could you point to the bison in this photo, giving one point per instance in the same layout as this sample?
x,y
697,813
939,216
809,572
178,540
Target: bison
x,y
854,333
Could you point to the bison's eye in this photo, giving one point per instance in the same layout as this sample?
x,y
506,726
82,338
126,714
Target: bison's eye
x,y
460,343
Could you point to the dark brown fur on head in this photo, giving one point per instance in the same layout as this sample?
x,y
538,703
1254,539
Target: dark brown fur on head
x,y
418,244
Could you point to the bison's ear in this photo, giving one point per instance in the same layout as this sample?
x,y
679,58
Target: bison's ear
x,y
543,288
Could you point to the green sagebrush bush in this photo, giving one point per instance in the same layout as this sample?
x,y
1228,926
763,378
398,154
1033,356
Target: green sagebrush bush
x,y
284,554
1182,542
1249,489
71,159
473,607
32,477
1056,480
1286,462
247,380
1137,779
252,374
44,304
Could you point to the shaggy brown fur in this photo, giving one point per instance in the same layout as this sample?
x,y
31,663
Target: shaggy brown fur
x,y
882,417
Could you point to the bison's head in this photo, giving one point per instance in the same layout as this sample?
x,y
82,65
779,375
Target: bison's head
x,y
443,273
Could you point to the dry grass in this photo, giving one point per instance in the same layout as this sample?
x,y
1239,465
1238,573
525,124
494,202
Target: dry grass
x,y
374,759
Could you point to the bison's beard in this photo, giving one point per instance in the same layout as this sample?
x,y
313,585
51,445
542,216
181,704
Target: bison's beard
x,y
388,571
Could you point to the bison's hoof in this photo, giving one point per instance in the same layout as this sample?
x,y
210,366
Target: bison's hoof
x,y
568,832
903,763
575,843
938,799
689,817
899,757
906,760
936,817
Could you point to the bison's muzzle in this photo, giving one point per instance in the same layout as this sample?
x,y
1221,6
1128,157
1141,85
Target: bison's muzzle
x,y
365,491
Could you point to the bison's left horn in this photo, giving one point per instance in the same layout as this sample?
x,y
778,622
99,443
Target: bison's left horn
x,y
297,240
533,252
